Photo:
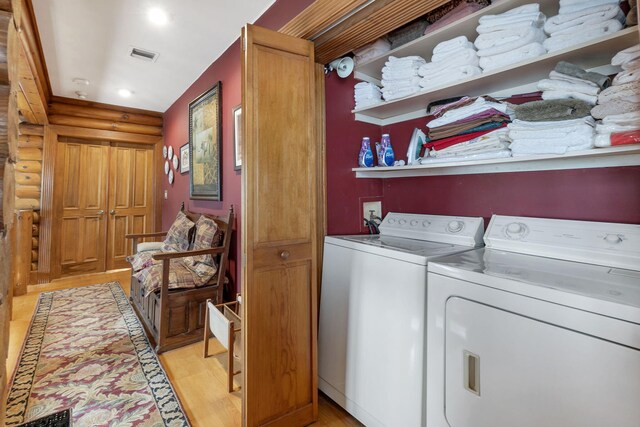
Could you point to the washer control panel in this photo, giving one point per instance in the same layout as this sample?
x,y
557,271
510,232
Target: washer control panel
x,y
600,243
457,230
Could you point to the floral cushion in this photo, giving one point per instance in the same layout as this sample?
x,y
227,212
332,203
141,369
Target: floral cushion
x,y
177,239
206,231
183,274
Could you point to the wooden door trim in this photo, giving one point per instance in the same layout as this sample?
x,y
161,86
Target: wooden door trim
x,y
106,135
46,251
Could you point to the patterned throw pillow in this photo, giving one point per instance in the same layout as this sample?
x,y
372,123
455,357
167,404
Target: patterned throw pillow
x,y
206,231
177,239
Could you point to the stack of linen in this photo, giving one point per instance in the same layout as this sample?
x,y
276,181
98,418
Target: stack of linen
x,y
619,105
551,127
510,37
452,60
570,81
579,21
366,94
400,76
624,94
468,129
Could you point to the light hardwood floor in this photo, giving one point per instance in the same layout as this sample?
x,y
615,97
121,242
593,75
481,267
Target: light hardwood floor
x,y
201,384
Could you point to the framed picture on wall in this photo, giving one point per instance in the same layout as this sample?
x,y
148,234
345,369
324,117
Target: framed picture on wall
x,y
205,145
237,137
184,158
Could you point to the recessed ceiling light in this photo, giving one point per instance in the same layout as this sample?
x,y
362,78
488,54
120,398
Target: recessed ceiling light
x,y
157,16
125,93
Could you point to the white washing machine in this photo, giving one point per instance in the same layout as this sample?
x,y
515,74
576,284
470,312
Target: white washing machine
x,y
539,328
371,333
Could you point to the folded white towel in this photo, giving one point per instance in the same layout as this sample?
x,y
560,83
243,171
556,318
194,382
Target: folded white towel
x,y
550,125
535,19
584,17
626,76
632,118
552,84
496,38
448,76
531,50
400,83
466,57
390,95
563,39
576,6
507,44
405,61
626,55
602,128
631,65
391,73
500,154
520,10
459,42
443,56
565,94
554,75
549,148
559,133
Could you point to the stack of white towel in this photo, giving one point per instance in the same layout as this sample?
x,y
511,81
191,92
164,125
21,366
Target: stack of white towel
x,y
551,137
579,21
366,94
452,60
562,86
510,37
400,77
623,96
618,129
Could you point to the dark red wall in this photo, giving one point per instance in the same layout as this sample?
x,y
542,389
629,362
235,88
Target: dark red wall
x,y
176,129
606,194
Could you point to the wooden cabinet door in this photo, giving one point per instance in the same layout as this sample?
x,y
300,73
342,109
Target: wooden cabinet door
x,y
81,173
130,199
279,238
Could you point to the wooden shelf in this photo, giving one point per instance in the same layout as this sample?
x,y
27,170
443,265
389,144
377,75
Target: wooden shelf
x,y
628,155
588,55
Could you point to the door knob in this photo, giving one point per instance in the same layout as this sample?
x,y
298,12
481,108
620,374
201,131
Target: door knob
x,y
100,212
112,211
284,255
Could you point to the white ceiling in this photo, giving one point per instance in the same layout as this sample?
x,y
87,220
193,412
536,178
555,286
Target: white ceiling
x,y
91,39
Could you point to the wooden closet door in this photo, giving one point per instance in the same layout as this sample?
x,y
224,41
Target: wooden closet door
x,y
279,239
81,171
130,200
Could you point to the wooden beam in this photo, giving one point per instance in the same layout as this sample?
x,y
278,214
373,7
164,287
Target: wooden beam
x,y
92,104
320,15
120,116
104,135
84,122
29,129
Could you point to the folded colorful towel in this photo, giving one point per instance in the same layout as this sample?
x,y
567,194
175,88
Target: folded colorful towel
x,y
581,34
552,110
531,50
586,16
626,76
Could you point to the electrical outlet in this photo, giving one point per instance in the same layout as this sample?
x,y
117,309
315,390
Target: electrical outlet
x,y
367,207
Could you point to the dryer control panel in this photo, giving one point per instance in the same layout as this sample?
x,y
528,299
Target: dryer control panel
x,y
601,243
457,230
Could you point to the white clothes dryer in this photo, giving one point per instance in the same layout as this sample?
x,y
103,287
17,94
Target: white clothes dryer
x,y
539,328
371,332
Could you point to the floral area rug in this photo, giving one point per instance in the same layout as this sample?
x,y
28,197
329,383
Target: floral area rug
x,y
86,350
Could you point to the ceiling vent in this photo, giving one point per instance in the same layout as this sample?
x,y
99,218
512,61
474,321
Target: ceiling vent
x,y
145,55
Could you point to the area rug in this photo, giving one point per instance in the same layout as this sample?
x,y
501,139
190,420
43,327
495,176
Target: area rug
x,y
86,350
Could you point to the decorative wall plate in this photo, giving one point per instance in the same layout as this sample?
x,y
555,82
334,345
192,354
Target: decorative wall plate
x,y
164,151
171,177
170,152
175,161
166,167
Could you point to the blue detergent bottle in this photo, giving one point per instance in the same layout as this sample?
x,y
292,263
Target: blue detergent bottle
x,y
365,158
389,156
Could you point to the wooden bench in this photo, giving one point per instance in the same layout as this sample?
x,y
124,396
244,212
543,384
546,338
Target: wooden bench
x,y
175,318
